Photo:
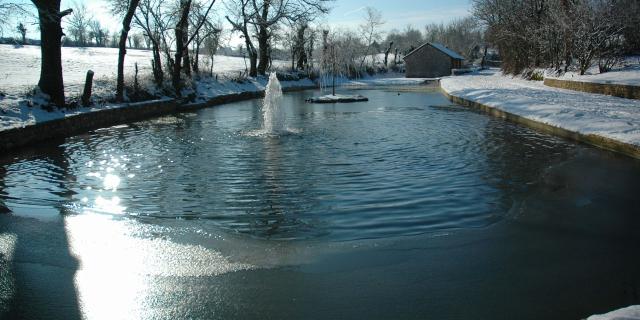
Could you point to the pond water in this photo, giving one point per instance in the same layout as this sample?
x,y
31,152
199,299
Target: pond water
x,y
499,218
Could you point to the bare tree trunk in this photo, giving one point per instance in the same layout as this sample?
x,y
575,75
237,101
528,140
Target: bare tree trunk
x,y
126,26
253,61
300,52
263,43
263,39
51,81
196,56
185,5
395,57
253,58
386,53
186,61
484,58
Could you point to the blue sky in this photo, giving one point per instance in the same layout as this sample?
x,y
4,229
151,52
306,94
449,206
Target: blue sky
x,y
399,13
345,13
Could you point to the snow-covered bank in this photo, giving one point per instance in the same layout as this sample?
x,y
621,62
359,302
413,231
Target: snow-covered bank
x,y
628,313
585,113
392,81
20,66
18,112
629,74
20,71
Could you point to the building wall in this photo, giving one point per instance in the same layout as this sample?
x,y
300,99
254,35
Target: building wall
x,y
428,63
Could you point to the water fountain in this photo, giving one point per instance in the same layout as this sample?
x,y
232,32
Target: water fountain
x,y
272,112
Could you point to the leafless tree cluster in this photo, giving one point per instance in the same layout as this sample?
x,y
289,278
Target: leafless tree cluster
x,y
175,31
22,30
406,40
256,21
370,32
342,52
559,33
84,30
464,36
10,9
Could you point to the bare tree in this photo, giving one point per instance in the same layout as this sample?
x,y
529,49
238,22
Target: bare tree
x,y
22,30
406,40
240,18
386,53
299,44
183,40
550,33
136,38
210,46
268,13
463,35
597,35
151,18
370,31
50,16
98,33
207,31
126,26
79,24
9,9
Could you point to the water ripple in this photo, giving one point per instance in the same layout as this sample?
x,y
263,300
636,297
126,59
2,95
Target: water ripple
x,y
397,165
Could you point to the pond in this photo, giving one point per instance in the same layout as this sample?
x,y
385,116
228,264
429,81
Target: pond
x,y
405,206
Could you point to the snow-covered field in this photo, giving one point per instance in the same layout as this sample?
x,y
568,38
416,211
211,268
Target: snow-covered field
x,y
20,71
628,74
607,116
628,313
20,66
19,114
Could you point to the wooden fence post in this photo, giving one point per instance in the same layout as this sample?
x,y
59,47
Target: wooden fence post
x,y
86,95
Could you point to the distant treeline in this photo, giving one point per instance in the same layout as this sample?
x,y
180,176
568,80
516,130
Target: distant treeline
x,y
560,34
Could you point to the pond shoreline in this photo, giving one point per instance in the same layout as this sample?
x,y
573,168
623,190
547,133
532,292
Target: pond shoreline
x,y
603,121
590,139
15,138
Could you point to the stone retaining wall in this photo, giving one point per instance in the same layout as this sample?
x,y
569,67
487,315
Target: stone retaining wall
x,y
591,139
73,125
81,123
617,90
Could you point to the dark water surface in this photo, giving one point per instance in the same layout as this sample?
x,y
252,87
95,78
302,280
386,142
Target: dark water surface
x,y
401,207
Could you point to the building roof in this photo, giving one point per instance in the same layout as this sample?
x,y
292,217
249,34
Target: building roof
x,y
440,47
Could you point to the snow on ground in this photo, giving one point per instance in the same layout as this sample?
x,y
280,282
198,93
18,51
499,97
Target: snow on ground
x,y
20,66
209,88
333,98
20,71
17,114
382,79
607,116
627,74
628,313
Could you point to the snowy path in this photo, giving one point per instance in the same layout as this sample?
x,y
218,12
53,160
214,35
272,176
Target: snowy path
x,y
586,113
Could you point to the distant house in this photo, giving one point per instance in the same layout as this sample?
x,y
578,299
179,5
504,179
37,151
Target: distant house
x,y
431,60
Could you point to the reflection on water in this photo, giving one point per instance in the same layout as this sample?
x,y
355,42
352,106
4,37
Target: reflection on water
x,y
404,201
400,165
118,266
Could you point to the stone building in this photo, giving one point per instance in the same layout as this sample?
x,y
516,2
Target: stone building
x,y
431,60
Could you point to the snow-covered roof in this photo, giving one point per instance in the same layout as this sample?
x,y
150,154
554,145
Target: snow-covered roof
x,y
440,47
